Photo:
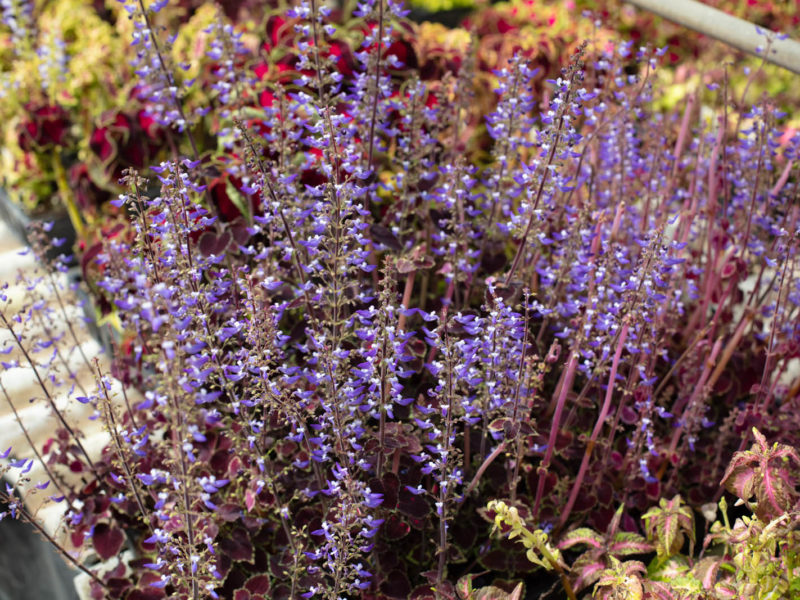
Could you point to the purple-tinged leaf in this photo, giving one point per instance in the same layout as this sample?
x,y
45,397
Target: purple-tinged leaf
x,y
706,571
765,472
582,535
257,584
626,543
107,540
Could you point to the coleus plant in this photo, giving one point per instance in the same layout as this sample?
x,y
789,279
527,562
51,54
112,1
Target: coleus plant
x,y
754,558
72,102
384,331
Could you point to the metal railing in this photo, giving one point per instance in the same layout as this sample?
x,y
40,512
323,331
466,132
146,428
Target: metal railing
x,y
730,30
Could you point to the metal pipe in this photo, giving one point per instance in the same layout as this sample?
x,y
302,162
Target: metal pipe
x,y
730,30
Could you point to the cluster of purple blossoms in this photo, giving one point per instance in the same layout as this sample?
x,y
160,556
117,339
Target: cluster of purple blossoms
x,y
330,376
162,88
17,15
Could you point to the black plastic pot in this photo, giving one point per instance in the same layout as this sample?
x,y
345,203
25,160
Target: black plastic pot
x,y
19,222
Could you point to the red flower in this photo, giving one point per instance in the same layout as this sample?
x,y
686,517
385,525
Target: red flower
x,y
46,126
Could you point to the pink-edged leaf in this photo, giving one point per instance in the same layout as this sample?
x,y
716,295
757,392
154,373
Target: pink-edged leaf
x,y
739,479
582,535
774,495
241,595
588,571
668,523
490,593
765,472
658,590
464,587
726,590
706,571
249,499
669,532
614,524
107,540
626,543
761,441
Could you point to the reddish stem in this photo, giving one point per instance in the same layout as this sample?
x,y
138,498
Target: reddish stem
x,y
569,377
598,426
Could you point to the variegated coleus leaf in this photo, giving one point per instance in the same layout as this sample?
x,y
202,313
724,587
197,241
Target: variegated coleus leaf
x,y
467,592
668,524
765,472
621,580
707,570
587,569
627,543
582,535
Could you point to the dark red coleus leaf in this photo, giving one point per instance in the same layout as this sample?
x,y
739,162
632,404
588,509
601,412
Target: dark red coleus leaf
x,y
107,540
281,592
46,125
107,139
211,243
145,591
465,531
384,236
278,30
220,190
404,52
396,585
258,584
423,592
413,506
237,545
229,512
88,195
395,528
116,586
343,57
494,560
390,488
121,141
388,559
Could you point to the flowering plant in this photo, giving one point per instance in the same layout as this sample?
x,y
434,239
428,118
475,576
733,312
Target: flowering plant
x,y
754,558
73,107
55,72
350,334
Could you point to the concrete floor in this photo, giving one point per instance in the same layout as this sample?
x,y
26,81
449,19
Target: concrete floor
x,y
29,568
